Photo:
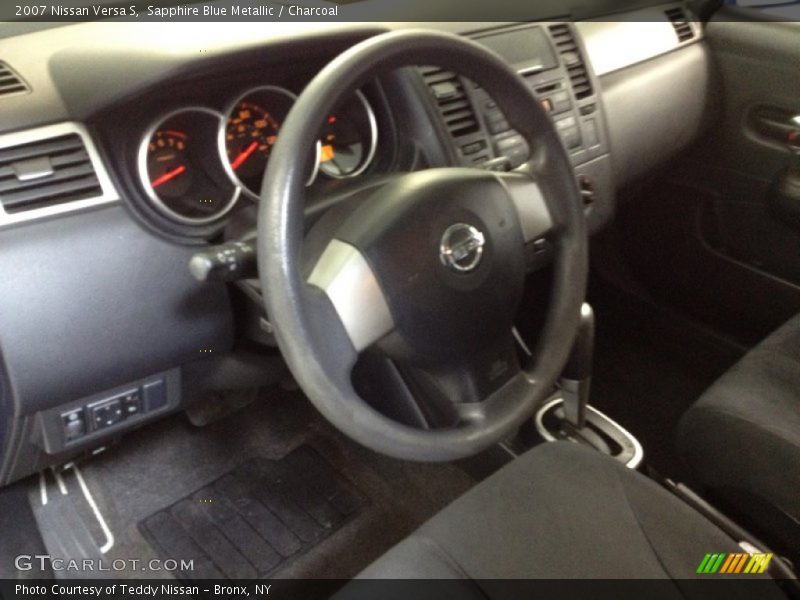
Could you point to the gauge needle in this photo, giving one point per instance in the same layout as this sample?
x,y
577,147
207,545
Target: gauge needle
x,y
237,162
167,176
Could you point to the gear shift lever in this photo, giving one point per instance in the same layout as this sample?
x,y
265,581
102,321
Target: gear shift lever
x,y
568,416
577,376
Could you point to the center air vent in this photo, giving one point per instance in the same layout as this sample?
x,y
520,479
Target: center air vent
x,y
452,101
46,172
10,82
572,59
683,28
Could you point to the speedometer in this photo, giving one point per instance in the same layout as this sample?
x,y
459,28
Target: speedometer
x,y
250,134
252,126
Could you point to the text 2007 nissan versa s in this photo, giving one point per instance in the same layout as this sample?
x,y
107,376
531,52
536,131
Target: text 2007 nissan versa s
x,y
402,303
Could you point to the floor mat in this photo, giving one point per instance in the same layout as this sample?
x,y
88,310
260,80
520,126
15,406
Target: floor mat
x,y
250,522
156,467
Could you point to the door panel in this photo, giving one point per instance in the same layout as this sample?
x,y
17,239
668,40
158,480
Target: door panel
x,y
702,237
759,64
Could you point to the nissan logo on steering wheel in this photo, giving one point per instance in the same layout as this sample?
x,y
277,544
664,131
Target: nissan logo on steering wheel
x,y
461,247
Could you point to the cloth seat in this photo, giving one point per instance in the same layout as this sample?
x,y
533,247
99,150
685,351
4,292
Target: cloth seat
x,y
741,439
559,511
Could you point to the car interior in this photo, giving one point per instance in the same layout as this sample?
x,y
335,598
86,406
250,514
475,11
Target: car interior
x,y
403,300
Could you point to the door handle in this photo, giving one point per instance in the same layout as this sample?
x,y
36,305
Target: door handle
x,y
776,125
783,198
793,138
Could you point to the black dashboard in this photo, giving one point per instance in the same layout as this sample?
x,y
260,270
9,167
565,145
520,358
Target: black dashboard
x,y
116,167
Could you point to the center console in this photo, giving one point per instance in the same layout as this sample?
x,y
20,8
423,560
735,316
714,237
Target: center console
x,y
552,60
568,416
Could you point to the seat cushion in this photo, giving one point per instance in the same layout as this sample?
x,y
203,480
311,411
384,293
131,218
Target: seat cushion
x,y
559,511
743,434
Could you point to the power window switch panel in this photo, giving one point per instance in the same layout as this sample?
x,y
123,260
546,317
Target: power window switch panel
x,y
105,414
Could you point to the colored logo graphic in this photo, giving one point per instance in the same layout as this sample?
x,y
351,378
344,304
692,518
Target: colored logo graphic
x,y
731,564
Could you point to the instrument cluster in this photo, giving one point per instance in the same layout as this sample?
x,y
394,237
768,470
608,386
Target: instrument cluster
x,y
195,163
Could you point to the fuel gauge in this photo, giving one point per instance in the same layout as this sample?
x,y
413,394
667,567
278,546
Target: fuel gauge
x,y
349,139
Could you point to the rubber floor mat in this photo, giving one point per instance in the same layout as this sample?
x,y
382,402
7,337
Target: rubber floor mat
x,y
250,522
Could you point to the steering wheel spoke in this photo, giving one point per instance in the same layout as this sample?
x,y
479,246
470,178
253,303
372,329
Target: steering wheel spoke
x,y
530,203
453,393
343,273
497,403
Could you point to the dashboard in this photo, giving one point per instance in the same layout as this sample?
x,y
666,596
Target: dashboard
x,y
126,155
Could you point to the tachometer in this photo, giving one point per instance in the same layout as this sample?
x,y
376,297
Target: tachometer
x,y
168,164
180,171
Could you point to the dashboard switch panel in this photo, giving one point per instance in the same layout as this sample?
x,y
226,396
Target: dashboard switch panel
x,y
156,395
95,418
514,148
568,130
105,414
74,424
131,404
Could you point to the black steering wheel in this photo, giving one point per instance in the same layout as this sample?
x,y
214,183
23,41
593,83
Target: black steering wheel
x,y
428,266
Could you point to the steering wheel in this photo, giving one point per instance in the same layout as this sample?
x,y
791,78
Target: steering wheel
x,y
429,266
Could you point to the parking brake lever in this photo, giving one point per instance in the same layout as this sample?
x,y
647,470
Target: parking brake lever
x,y
576,378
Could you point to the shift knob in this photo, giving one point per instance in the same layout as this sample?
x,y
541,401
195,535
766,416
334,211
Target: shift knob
x,y
577,375
579,364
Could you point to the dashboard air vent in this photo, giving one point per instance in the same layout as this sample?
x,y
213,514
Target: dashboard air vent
x,y
45,173
683,29
452,101
571,57
10,82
